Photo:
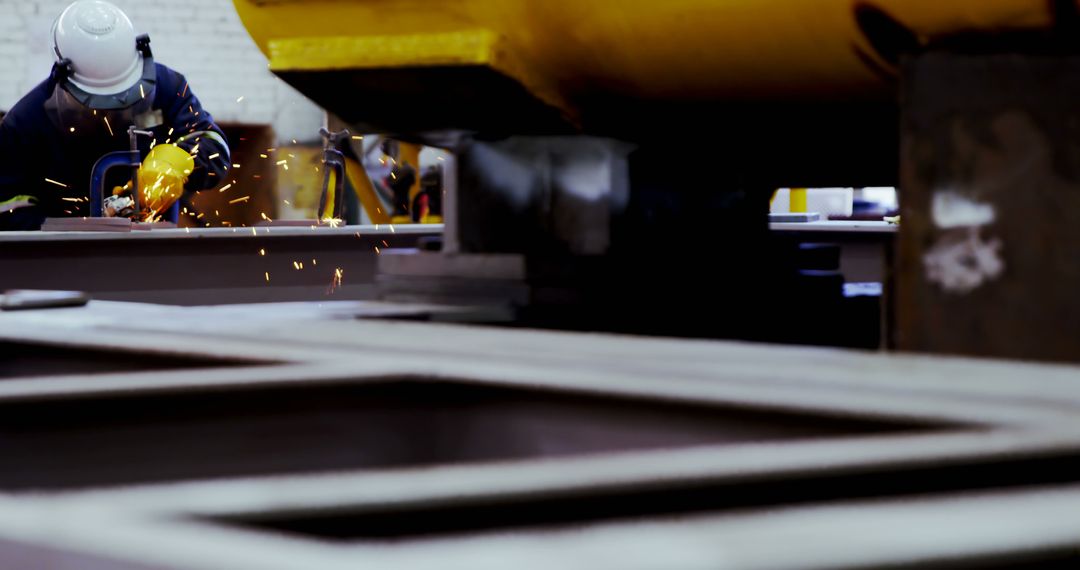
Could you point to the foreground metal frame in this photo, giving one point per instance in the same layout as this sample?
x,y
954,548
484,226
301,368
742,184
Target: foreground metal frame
x,y
991,412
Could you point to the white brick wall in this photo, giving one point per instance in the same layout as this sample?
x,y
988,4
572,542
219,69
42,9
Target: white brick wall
x,y
203,39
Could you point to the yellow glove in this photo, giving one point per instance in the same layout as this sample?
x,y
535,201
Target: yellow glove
x,y
162,176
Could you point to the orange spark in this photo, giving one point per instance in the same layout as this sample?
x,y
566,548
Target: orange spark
x,y
335,282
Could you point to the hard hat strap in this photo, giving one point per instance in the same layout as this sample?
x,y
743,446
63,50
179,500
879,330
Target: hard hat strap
x,y
142,45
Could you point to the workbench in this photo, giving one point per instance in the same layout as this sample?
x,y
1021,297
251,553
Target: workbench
x,y
865,247
206,265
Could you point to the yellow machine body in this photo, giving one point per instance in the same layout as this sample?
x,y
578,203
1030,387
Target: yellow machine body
x,y
571,53
754,76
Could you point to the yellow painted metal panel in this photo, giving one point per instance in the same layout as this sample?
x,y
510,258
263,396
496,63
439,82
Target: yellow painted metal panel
x,y
450,49
370,201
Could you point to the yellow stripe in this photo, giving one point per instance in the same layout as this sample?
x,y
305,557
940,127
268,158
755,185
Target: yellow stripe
x,y
473,47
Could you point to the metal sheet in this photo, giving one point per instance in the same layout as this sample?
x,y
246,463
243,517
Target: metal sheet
x,y
999,427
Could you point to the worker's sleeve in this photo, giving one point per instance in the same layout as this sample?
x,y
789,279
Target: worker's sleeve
x,y
15,181
203,138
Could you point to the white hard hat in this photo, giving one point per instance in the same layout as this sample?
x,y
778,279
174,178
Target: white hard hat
x,y
99,40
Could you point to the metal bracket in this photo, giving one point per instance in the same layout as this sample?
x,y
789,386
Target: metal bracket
x,y
333,162
142,45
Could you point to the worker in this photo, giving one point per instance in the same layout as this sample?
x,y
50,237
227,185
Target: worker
x,y
104,80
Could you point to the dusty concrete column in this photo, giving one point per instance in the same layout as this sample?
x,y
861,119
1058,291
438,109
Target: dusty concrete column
x,y
989,258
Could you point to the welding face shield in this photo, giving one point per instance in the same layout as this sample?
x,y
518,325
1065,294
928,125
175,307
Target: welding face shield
x,y
92,114
104,75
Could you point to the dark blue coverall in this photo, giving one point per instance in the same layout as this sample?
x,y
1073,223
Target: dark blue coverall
x,y
33,148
